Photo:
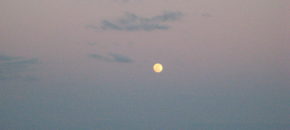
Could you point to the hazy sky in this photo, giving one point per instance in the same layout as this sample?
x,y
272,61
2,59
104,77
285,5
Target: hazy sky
x,y
87,64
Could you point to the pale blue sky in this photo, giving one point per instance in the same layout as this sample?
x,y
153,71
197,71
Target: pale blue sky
x,y
87,64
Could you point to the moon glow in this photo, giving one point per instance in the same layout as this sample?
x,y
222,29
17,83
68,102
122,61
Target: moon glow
x,y
157,68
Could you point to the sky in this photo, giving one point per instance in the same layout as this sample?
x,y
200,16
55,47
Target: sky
x,y
87,64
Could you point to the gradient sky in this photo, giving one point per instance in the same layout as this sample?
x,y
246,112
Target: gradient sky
x,y
87,64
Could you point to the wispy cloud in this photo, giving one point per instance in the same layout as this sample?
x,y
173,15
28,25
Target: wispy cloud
x,y
100,57
7,58
112,57
12,67
121,58
133,22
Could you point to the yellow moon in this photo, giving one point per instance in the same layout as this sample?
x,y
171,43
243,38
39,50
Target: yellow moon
x,y
157,67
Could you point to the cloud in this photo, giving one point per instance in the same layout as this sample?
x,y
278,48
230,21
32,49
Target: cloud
x,y
132,22
7,58
121,58
100,57
13,67
112,57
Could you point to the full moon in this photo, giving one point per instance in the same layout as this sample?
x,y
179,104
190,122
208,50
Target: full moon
x,y
157,67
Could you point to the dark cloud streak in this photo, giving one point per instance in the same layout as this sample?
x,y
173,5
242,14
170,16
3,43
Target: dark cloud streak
x,y
12,67
132,22
121,58
112,57
7,58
